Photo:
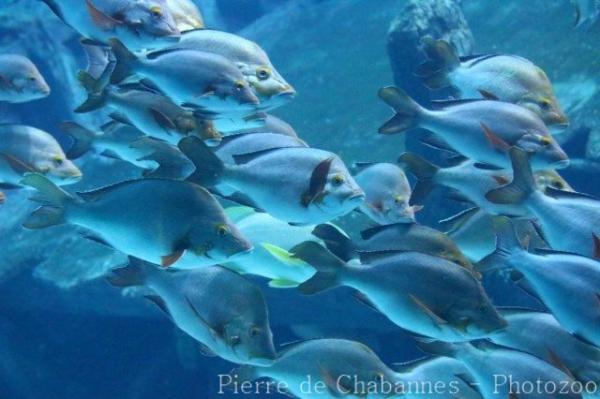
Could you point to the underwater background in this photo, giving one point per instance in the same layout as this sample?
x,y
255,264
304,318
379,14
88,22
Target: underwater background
x,y
65,333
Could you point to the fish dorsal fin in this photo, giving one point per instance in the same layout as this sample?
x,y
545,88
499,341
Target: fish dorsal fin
x,y
369,233
93,195
367,257
556,193
360,166
241,159
318,180
477,58
453,223
410,365
548,251
441,104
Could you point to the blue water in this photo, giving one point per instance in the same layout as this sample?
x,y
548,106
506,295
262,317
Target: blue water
x,y
62,336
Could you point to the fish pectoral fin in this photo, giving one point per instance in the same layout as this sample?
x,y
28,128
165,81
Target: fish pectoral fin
x,y
283,283
17,165
103,21
121,118
557,362
206,351
160,303
97,239
163,121
172,258
213,332
334,387
496,141
436,319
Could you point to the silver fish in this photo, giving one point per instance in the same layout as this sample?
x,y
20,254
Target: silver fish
x,y
185,218
387,193
139,24
254,63
568,220
20,80
501,77
151,112
186,14
495,368
540,334
155,157
195,78
333,364
570,290
298,185
205,304
478,129
25,149
421,293
472,181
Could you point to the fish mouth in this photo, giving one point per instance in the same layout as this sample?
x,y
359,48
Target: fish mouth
x,y
561,164
355,196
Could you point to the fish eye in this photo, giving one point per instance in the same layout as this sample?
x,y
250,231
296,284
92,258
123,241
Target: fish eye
x,y
263,73
545,104
58,161
31,78
545,140
156,11
235,340
222,230
254,331
398,199
239,84
558,184
338,180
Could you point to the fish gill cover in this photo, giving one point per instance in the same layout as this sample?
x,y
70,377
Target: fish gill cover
x,y
404,190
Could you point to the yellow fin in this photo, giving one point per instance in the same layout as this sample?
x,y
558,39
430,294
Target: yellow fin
x,y
283,255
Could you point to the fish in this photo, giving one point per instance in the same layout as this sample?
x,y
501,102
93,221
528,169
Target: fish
x,y
472,181
20,80
185,15
151,112
342,368
272,239
482,130
297,185
423,294
503,373
568,220
387,193
540,334
155,157
184,218
450,375
474,232
207,81
271,88
587,13
26,149
501,77
139,24
569,291
410,236
220,309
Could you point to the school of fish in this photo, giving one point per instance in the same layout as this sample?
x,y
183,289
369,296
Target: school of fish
x,y
188,107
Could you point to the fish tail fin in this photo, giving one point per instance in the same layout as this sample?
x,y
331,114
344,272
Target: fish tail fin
x,y
82,139
329,267
507,243
522,185
52,198
425,173
209,168
407,110
96,93
125,61
437,348
336,241
442,59
133,274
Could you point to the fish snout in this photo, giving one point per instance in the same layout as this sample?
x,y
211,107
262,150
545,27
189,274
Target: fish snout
x,y
356,196
558,118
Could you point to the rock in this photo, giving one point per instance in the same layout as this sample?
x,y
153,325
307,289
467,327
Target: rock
x,y
440,19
